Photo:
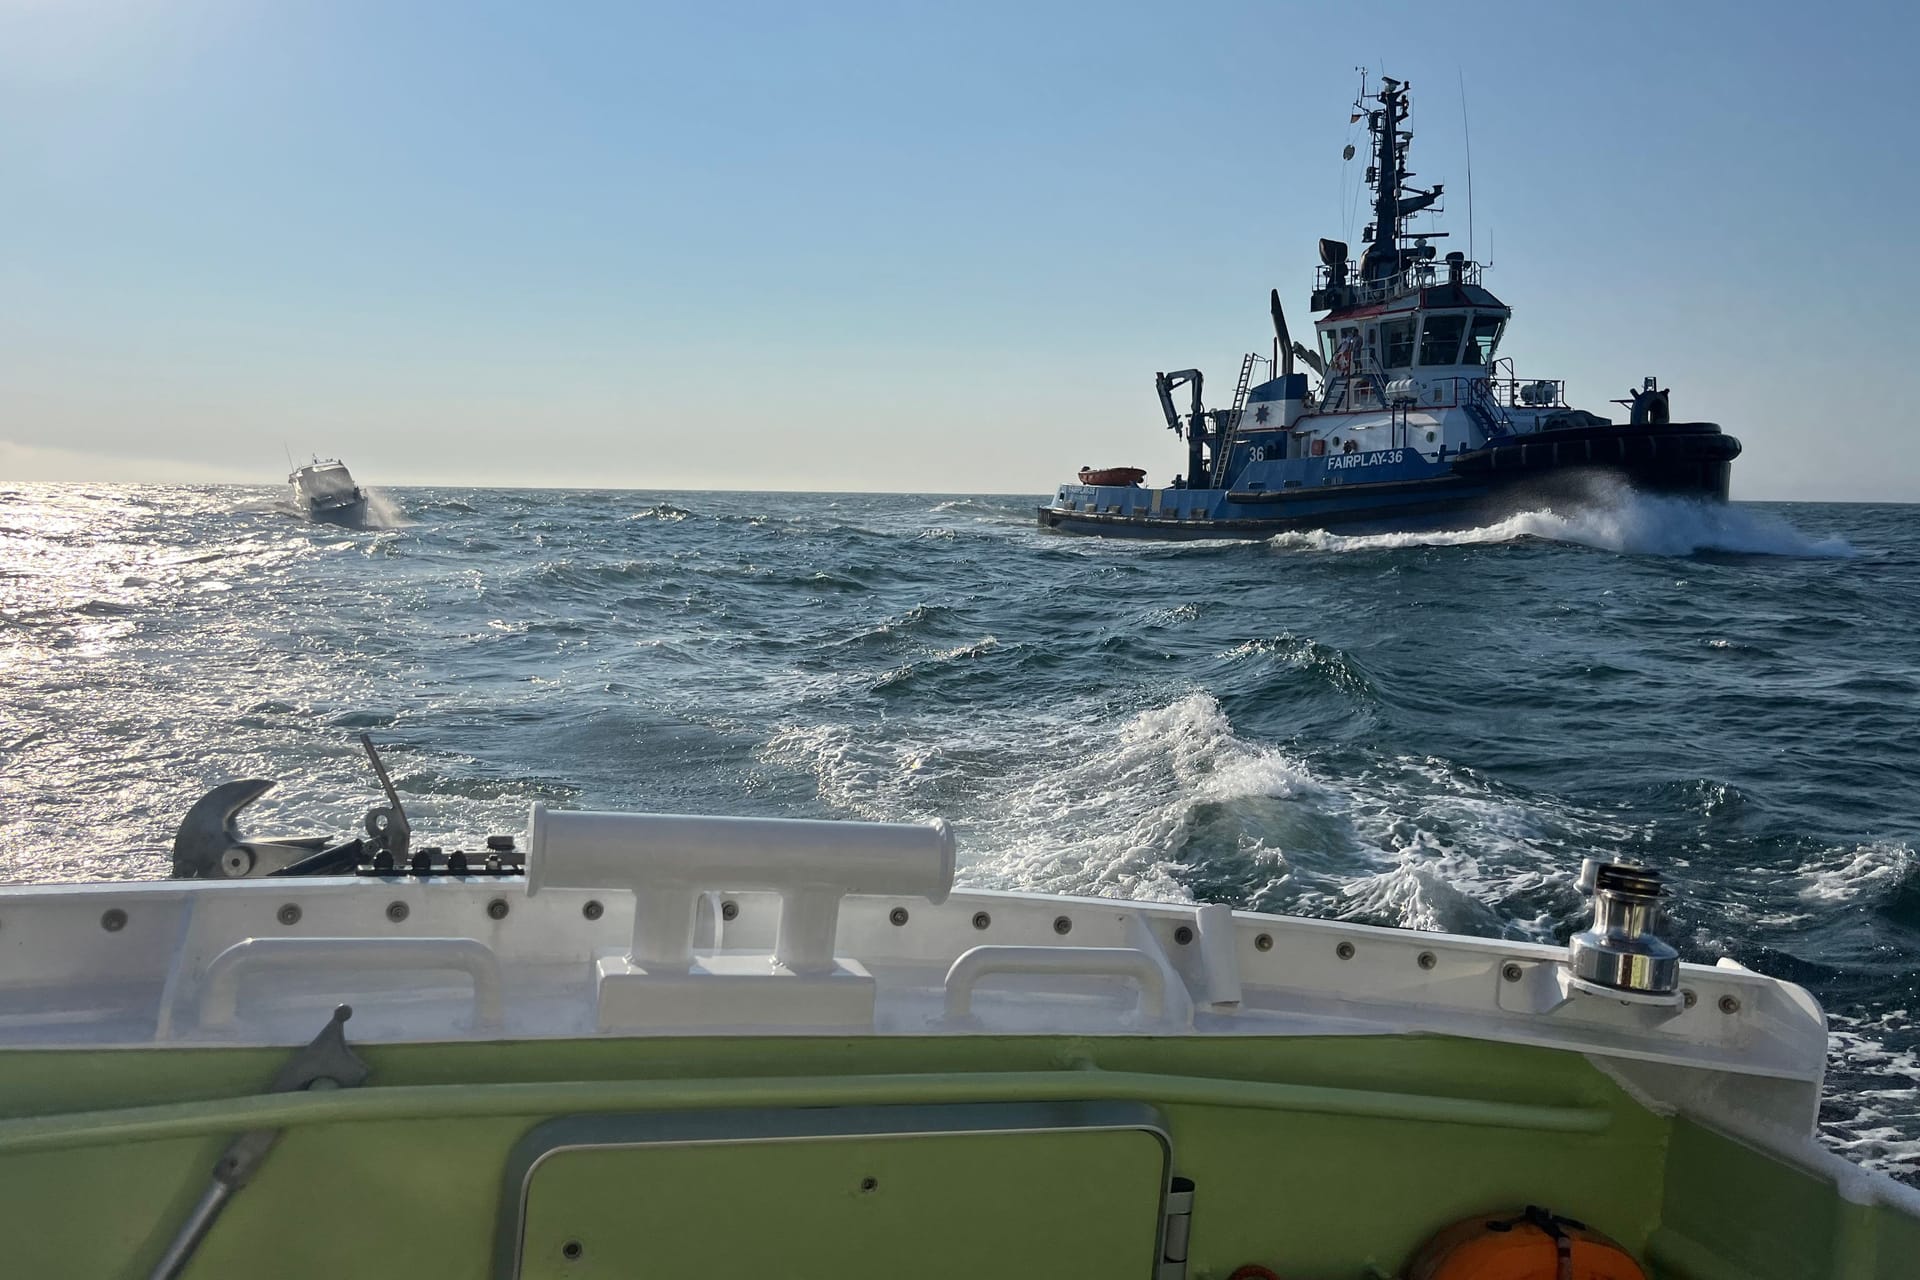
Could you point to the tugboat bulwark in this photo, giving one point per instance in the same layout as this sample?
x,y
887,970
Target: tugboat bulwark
x,y
1416,421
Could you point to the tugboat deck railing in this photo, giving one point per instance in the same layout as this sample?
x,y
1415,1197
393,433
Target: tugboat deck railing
x,y
1417,276
1364,391
1528,393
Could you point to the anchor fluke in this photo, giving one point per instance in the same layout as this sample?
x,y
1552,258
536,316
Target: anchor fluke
x,y
209,833
208,844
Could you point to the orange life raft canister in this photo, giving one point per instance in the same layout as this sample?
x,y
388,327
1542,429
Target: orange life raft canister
x,y
1531,1244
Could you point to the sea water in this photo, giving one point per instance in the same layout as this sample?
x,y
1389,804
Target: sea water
x,y
1427,731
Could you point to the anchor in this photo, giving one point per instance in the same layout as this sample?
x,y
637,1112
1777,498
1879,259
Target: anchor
x,y
208,844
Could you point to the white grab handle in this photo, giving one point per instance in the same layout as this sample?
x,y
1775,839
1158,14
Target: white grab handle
x,y
220,992
667,860
1117,962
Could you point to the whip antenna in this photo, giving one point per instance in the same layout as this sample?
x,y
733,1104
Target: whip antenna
x,y
1467,133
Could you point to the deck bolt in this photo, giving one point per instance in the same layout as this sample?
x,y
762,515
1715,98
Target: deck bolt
x,y
869,1184
1062,925
981,919
571,1251
592,910
1183,935
729,910
396,911
897,916
113,920
1511,972
1263,942
1729,1004
288,914
1688,998
1428,960
497,909
1344,951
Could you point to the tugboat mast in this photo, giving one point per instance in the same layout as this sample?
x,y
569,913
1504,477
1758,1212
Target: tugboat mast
x,y
1387,175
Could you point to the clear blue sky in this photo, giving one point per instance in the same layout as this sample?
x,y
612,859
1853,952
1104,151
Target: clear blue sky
x,y
904,246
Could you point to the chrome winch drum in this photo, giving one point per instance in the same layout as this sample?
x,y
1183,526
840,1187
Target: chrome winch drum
x,y
1619,950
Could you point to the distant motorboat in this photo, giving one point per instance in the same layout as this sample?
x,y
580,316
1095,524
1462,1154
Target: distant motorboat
x,y
324,490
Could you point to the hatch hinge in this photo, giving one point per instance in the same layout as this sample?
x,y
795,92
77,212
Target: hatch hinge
x,y
1175,1227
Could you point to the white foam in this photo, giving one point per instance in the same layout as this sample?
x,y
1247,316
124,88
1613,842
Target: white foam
x,y
665,512
1865,871
985,644
1623,521
1093,803
1111,812
1437,847
1424,892
1882,1094
382,511
1078,804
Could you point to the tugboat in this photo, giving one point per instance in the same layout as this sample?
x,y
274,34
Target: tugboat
x,y
1416,421
324,490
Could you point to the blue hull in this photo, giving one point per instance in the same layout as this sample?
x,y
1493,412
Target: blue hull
x,y
1445,505
1398,490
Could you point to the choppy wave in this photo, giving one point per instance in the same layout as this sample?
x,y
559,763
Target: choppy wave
x,y
1864,872
664,511
1171,801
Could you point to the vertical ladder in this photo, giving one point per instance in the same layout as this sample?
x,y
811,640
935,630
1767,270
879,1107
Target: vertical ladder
x,y
1240,389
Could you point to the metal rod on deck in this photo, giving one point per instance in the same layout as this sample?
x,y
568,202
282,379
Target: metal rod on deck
x,y
192,1232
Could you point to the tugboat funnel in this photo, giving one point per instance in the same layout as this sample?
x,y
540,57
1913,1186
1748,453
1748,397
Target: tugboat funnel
x,y
1619,949
1282,342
